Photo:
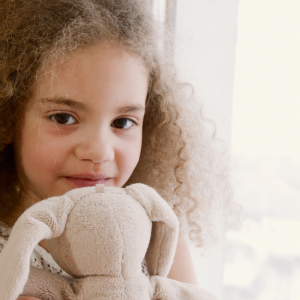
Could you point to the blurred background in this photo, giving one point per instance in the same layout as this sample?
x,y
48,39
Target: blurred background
x,y
243,58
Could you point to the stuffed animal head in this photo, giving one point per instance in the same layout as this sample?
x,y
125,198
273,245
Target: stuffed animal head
x,y
95,233
105,234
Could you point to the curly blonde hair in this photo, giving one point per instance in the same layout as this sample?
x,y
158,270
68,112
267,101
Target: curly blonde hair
x,y
178,156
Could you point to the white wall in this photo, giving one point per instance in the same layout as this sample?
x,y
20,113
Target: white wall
x,y
205,49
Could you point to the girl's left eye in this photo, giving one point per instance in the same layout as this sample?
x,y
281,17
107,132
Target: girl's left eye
x,y
123,123
64,119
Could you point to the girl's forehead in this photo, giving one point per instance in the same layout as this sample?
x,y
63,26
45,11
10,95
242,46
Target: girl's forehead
x,y
102,54
100,71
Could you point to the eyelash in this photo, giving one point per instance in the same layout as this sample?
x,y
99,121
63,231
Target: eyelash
x,y
52,118
127,119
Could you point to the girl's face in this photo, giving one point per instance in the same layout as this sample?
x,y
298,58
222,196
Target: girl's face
x,y
83,124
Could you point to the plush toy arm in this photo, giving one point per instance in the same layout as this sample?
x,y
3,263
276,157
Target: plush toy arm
x,y
168,289
43,220
47,286
164,236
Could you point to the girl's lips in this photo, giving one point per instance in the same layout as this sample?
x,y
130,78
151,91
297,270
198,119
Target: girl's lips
x,y
84,182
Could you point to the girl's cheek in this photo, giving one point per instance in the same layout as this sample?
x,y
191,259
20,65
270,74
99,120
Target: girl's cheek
x,y
54,130
49,151
132,155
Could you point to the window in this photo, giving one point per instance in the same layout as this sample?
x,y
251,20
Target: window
x,y
250,85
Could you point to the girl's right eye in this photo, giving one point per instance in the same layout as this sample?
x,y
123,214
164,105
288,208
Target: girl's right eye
x,y
64,119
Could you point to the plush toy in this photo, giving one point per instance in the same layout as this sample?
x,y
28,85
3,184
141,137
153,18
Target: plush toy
x,y
100,239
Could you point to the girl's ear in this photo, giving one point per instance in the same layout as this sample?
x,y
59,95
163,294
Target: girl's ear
x,y
165,226
44,220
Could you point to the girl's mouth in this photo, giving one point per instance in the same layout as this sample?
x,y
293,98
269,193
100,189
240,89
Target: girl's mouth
x,y
85,180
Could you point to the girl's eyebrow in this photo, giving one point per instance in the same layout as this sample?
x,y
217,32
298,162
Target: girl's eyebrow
x,y
63,101
78,105
130,108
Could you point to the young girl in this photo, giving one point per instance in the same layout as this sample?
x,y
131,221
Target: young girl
x,y
88,96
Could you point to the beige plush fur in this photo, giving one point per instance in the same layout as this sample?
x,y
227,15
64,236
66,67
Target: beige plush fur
x,y
100,239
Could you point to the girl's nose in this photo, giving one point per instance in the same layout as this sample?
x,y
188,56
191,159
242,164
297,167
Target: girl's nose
x,y
95,148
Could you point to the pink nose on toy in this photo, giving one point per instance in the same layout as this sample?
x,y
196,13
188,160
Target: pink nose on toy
x,y
99,188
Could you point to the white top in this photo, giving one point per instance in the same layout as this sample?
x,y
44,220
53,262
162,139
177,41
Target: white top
x,y
40,258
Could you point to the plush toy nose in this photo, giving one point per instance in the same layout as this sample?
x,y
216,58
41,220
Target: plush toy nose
x,y
99,188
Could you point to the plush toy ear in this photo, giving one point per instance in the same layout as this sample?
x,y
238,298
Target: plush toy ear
x,y
44,220
164,236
